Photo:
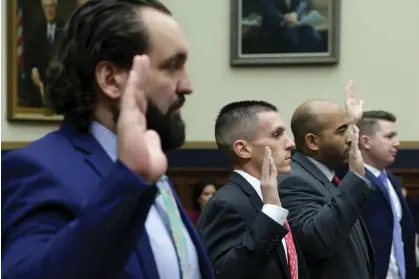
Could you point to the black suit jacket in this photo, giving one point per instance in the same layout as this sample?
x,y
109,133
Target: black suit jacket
x,y
242,241
326,221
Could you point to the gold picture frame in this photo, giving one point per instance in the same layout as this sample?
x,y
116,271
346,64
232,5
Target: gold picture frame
x,y
25,41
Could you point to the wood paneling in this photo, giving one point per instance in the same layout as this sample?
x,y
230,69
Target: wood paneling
x,y
184,179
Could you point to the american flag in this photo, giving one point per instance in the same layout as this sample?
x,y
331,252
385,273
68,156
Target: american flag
x,y
19,36
20,65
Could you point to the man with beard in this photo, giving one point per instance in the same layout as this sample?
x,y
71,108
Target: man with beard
x,y
324,212
90,200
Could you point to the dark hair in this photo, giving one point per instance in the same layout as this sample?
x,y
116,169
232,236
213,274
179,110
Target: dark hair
x,y
198,188
238,120
368,124
99,30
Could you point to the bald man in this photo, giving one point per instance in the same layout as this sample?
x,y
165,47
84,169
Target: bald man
x,y
324,212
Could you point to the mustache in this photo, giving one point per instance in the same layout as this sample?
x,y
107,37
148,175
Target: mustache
x,y
178,103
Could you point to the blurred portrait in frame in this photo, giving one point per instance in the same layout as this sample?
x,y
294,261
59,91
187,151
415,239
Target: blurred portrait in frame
x,y
284,32
34,29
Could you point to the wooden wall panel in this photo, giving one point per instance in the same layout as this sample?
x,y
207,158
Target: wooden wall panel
x,y
185,178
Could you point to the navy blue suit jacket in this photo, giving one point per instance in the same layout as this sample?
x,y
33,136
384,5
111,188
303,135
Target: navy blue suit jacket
x,y
378,218
68,211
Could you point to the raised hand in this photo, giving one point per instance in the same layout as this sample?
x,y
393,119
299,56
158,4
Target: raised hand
x,y
356,163
269,180
138,148
354,108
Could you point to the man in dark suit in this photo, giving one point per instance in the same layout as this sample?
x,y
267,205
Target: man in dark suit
x,y
280,26
244,226
40,50
325,212
387,215
91,200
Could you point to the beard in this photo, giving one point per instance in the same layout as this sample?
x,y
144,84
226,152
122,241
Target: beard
x,y
169,126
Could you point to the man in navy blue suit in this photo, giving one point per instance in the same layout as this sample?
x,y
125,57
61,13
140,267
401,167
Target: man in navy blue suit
x,y
90,200
387,215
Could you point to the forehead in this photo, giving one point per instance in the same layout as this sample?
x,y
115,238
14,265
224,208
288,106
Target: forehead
x,y
333,119
386,126
166,36
269,121
48,2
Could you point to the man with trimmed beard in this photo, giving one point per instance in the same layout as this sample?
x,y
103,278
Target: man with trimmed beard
x,y
324,211
91,200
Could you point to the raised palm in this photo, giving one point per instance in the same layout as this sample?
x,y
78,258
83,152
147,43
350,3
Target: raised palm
x,y
138,148
354,108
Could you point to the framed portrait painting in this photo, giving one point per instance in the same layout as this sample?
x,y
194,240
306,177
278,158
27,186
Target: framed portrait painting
x,y
284,32
34,29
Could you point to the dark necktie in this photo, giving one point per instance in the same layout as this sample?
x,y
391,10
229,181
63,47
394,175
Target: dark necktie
x,y
335,181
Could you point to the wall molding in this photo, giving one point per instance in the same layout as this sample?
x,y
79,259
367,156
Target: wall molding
x,y
10,145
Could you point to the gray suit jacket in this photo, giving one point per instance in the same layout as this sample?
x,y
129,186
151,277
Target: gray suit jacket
x,y
326,221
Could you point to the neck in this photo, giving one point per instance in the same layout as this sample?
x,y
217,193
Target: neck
x,y
256,173
105,118
369,161
320,160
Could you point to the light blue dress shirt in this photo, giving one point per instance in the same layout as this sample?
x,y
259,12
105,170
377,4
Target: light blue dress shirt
x,y
156,224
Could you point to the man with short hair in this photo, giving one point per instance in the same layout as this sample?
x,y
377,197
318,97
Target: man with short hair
x,y
244,225
91,200
387,215
324,211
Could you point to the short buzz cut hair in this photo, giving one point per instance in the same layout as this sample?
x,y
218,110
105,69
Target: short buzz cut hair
x,y
368,124
238,120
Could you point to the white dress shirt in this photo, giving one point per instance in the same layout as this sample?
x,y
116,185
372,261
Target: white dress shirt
x,y
393,269
51,32
276,213
156,223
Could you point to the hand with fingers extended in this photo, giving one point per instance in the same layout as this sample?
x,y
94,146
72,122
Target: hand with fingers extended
x,y
354,108
138,148
356,163
269,180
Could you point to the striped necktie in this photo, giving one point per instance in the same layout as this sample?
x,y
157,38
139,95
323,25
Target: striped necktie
x,y
176,225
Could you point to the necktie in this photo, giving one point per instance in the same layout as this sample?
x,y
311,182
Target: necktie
x,y
176,226
292,254
335,180
397,234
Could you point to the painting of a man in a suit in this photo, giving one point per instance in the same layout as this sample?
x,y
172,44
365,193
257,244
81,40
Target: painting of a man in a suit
x,y
284,26
40,49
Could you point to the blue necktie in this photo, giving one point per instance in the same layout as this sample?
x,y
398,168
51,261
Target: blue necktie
x,y
397,234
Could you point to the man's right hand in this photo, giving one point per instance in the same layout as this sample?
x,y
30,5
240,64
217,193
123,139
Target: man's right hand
x,y
356,163
291,19
269,180
138,148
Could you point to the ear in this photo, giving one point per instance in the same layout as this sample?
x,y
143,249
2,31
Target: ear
x,y
312,142
365,142
242,149
110,79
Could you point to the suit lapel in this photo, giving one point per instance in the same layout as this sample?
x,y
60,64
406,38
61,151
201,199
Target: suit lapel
x,y
95,156
377,184
370,255
304,162
101,163
248,189
257,203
